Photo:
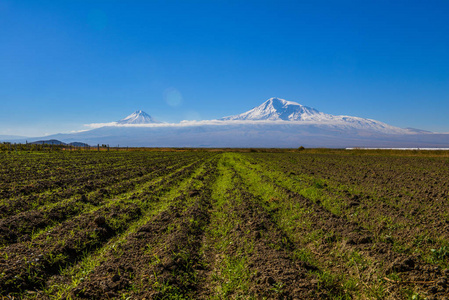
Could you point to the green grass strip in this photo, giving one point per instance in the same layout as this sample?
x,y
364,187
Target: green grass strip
x,y
81,270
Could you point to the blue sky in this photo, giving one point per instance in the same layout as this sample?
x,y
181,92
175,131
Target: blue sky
x,y
68,63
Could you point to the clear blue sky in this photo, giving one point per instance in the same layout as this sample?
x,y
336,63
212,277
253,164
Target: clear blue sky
x,y
67,63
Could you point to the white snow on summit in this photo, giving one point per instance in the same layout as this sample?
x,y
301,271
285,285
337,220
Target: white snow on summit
x,y
276,109
273,112
273,124
138,117
279,109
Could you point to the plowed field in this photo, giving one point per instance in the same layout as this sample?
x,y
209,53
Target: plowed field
x,y
223,225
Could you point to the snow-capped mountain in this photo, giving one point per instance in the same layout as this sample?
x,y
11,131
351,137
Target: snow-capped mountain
x,y
276,109
273,124
138,117
279,109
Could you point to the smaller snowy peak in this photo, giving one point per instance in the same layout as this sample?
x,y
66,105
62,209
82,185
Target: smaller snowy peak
x,y
138,117
279,109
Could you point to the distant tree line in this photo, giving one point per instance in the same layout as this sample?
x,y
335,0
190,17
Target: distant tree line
x,y
14,147
54,145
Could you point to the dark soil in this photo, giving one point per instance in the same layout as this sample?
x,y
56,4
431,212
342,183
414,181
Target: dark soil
x,y
391,228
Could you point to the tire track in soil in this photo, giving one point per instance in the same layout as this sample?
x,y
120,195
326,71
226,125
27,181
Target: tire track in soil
x,y
272,257
161,258
28,264
414,273
274,274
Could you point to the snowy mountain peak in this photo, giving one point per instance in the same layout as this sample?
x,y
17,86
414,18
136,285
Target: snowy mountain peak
x,y
279,109
276,109
138,117
279,101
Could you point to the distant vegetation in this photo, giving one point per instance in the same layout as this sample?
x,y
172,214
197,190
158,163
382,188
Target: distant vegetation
x,y
42,145
55,145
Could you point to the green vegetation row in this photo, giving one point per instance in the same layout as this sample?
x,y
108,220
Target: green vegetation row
x,y
243,224
59,246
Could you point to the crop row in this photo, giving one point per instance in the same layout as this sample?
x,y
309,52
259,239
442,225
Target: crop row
x,y
58,186
21,225
399,249
233,225
28,264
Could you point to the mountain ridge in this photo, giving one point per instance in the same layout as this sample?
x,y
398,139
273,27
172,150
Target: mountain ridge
x,y
276,123
277,109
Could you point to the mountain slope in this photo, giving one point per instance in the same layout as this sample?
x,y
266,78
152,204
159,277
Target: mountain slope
x,y
274,123
276,109
279,109
251,134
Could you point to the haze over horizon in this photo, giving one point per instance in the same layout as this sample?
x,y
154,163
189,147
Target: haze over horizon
x,y
69,63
